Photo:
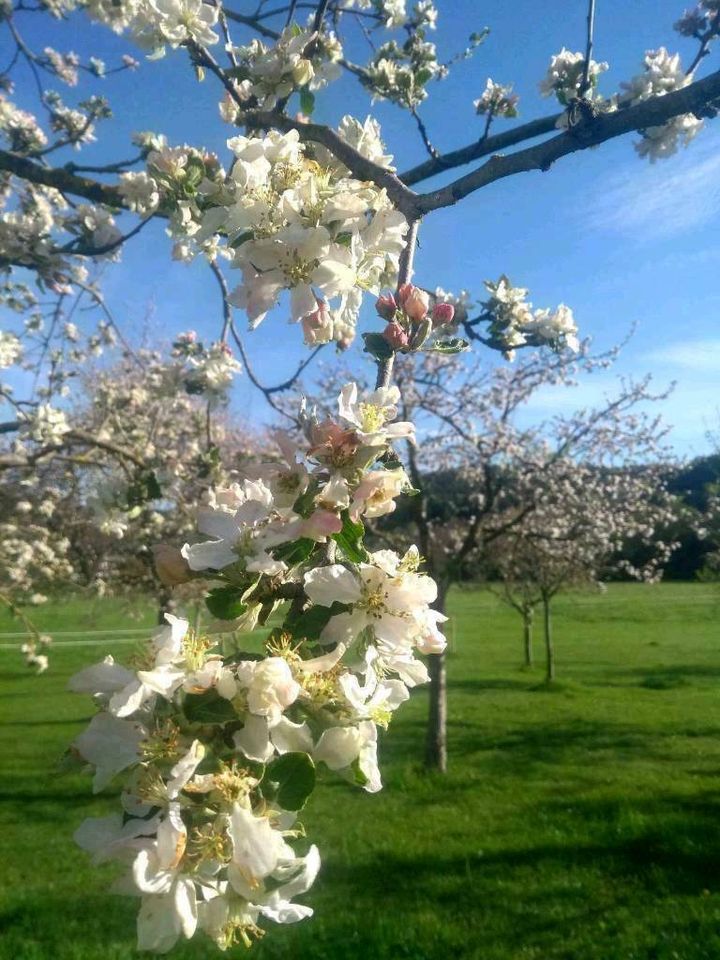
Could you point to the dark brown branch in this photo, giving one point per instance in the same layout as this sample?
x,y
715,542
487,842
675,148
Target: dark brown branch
x,y
61,179
697,98
70,439
480,148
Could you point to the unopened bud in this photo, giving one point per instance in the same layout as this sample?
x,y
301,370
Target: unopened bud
x,y
386,306
442,314
303,72
404,290
318,325
395,336
416,303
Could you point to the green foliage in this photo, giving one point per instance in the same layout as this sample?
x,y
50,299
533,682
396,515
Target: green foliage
x,y
309,624
290,779
377,346
295,552
208,707
226,603
307,101
448,347
350,539
143,487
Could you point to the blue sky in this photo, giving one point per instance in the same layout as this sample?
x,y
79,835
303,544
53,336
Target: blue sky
x,y
622,242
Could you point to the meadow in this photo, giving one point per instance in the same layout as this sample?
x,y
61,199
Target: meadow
x,y
577,822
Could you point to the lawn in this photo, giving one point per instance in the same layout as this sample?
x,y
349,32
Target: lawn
x,y
579,822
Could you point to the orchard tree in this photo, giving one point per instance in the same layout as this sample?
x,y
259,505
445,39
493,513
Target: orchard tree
x,y
523,595
216,748
87,496
574,535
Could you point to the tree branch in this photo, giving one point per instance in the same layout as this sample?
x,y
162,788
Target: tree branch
x,y
480,148
697,98
61,179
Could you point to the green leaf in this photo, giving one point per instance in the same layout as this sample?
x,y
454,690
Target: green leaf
x,y
296,551
377,346
208,707
144,487
310,624
305,503
350,539
307,101
226,603
290,779
358,776
420,334
448,347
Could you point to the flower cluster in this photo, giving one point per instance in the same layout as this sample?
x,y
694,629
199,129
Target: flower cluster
x,y
160,23
299,226
400,72
512,322
218,747
34,659
21,129
298,59
663,73
497,100
45,424
33,549
565,75
288,217
10,349
76,126
140,192
207,370
412,324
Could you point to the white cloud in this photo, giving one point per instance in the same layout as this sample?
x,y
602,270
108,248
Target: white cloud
x,y
672,196
702,356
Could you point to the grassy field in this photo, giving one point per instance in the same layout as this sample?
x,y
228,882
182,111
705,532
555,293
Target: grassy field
x,y
579,822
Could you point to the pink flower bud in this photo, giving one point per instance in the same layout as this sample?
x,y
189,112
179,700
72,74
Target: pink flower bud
x,y
395,336
318,325
442,314
386,306
320,524
404,290
416,304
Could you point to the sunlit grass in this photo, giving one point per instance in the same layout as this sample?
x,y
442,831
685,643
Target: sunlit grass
x,y
580,821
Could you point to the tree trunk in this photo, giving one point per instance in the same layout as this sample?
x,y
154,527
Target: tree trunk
x,y
527,636
549,649
436,741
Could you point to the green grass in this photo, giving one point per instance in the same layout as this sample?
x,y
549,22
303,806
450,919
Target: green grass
x,y
580,821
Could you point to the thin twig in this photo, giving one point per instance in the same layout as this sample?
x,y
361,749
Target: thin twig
x,y
585,82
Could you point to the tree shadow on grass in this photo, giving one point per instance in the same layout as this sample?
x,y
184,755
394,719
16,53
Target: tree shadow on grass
x,y
665,677
543,744
659,861
493,683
